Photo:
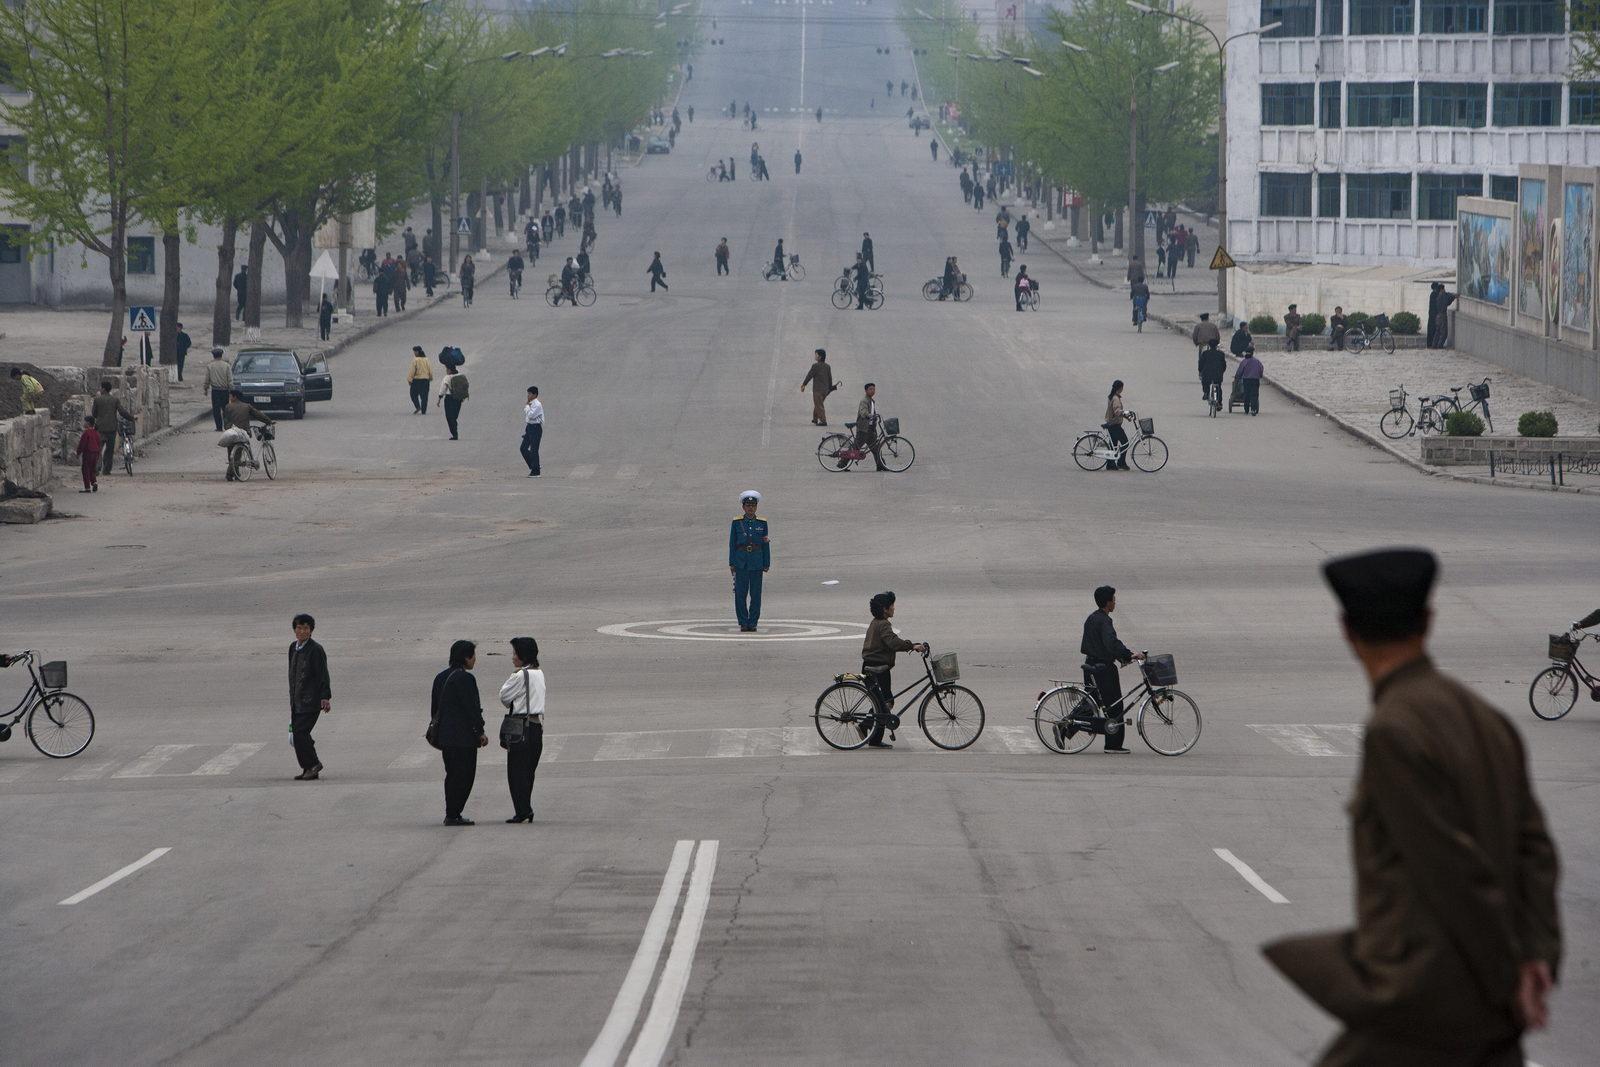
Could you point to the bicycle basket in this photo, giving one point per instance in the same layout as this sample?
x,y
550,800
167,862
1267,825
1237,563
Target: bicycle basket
x,y
267,433
1563,649
1397,399
1480,391
1147,426
1161,670
794,260
1380,321
945,668
891,427
54,674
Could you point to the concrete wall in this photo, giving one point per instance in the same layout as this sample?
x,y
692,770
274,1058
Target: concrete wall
x,y
25,451
1474,451
1270,293
144,391
1573,369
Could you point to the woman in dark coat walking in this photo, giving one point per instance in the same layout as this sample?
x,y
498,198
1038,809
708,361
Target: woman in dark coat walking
x,y
458,713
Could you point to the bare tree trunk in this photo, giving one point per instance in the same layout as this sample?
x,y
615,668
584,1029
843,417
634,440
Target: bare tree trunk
x,y
222,303
171,291
257,256
118,262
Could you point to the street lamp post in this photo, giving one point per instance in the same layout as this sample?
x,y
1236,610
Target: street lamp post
x,y
1135,229
1222,125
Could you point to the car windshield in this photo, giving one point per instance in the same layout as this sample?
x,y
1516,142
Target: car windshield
x,y
265,363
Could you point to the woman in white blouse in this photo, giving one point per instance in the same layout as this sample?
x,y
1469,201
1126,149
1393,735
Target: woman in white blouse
x,y
523,695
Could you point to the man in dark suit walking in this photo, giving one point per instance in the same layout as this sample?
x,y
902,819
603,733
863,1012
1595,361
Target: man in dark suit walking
x,y
1457,939
310,695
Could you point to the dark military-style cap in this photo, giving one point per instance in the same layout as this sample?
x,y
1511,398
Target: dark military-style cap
x,y
1383,593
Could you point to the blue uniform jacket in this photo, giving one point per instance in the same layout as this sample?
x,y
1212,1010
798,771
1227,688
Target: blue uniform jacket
x,y
749,546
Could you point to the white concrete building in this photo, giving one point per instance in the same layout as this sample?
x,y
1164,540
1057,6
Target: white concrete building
x,y
1355,126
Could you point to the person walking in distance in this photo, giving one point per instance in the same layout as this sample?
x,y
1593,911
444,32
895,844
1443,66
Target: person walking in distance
x,y
310,695
400,284
1192,246
241,290
468,275
219,380
1103,653
867,426
867,252
325,318
457,728
797,161
1457,942
430,274
1023,227
1205,330
88,452
749,559
419,380
820,377
381,286
522,731
878,651
452,395
721,255
933,147
181,345
657,271
1113,427
105,410
532,430
1249,374
1005,257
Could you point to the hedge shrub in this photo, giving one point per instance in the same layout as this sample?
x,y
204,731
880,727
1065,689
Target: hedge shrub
x,y
1312,325
1537,424
1357,318
1263,324
1463,424
1404,324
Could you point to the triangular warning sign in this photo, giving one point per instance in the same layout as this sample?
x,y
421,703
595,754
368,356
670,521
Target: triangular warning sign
x,y
142,322
1220,260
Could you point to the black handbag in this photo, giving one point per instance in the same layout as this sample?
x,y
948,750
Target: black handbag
x,y
514,728
431,734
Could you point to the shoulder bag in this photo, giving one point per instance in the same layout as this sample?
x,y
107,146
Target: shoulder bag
x,y
431,734
514,727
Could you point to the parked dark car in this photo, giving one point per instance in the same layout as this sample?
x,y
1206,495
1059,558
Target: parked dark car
x,y
278,378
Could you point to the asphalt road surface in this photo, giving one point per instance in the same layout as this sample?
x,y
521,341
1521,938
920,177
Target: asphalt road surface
x,y
704,882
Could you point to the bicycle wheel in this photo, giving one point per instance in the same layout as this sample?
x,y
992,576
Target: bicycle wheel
x,y
1553,692
963,292
951,716
552,295
844,715
586,296
242,467
1388,342
60,725
797,273
1149,454
1086,451
1214,400
1032,302
841,299
897,453
1396,423
269,461
711,175
930,289
127,459
874,299
1169,721
1057,706
828,450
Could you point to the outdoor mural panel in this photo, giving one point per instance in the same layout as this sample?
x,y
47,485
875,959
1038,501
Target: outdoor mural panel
x,y
1483,261
1577,256
1532,220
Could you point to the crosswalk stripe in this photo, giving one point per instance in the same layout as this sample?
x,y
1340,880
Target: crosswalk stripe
x,y
13,772
229,759
1350,733
1013,738
739,743
627,470
1296,737
582,470
633,746
146,765
88,771
418,755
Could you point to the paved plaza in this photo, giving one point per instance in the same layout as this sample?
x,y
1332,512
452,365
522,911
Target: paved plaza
x,y
705,882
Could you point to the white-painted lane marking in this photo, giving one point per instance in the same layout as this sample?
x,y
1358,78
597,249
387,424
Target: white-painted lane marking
x,y
633,746
582,470
87,771
630,998
1295,737
656,1033
1250,876
146,765
229,759
111,879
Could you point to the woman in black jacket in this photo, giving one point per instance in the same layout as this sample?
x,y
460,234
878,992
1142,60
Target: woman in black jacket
x,y
459,734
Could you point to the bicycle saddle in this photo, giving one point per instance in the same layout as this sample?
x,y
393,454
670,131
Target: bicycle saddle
x,y
849,425
1457,388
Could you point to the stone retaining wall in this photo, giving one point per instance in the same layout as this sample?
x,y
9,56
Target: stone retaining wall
x,y
145,391
1474,451
25,451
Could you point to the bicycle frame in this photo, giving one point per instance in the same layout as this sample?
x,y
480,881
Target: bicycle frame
x,y
36,691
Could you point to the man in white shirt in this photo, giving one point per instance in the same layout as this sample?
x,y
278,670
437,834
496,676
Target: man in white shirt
x,y
532,431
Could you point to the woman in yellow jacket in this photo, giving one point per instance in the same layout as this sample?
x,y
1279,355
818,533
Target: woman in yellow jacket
x,y
420,379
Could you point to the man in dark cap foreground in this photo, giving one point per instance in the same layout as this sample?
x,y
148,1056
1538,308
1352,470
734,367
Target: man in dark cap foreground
x,y
1457,940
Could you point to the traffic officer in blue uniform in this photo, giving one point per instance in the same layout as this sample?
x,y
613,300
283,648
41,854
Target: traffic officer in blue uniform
x,y
749,557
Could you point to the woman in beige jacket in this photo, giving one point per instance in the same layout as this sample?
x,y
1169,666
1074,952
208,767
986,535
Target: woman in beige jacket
x,y
1113,426
420,379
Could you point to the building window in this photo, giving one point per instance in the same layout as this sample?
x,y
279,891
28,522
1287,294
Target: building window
x,y
1503,187
1286,196
1583,104
1436,194
12,239
1452,104
1455,16
1531,104
1332,18
1378,196
1286,104
1299,17
1327,196
14,154
141,255
1381,17
1378,103
1529,16
1328,117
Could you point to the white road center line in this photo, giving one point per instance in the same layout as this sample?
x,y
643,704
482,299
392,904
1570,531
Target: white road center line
x,y
656,1033
111,879
630,998
1250,876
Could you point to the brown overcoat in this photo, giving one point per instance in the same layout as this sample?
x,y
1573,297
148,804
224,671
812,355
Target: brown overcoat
x,y
1455,885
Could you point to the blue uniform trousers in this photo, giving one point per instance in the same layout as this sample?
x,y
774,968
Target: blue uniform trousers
x,y
747,596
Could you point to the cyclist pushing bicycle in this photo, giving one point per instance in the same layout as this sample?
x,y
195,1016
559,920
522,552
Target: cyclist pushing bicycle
x,y
877,661
1103,653
1213,367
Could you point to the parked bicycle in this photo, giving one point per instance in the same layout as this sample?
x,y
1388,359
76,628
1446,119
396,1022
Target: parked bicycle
x,y
60,724
1068,716
933,287
125,428
242,464
839,451
1357,338
951,716
1093,449
1478,400
792,272
1555,689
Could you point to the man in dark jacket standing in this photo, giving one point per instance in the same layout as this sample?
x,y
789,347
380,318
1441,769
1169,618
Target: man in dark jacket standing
x,y
866,252
241,288
106,409
457,714
310,695
1439,302
1102,653
1457,941
325,317
181,345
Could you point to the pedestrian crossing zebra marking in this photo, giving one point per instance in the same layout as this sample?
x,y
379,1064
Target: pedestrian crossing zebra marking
x,y
1313,739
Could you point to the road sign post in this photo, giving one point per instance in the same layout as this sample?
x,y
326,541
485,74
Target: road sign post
x,y
142,318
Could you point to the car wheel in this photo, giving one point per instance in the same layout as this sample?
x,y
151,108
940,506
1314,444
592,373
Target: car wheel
x,y
299,409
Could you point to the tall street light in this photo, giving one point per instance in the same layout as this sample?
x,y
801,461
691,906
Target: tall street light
x,y
1222,125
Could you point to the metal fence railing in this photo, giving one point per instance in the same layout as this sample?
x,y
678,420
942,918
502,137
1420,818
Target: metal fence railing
x,y
1557,465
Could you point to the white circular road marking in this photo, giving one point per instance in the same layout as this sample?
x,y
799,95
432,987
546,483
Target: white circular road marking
x,y
728,630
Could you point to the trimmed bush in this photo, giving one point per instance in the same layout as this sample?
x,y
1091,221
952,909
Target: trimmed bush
x,y
1404,324
1357,318
1312,325
1463,424
1537,424
1263,324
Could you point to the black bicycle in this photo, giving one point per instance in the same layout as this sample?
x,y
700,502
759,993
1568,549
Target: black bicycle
x,y
950,715
60,724
1479,394
1555,689
1068,716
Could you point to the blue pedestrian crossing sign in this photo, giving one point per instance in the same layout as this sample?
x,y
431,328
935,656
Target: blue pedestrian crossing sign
x,y
142,318
464,225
